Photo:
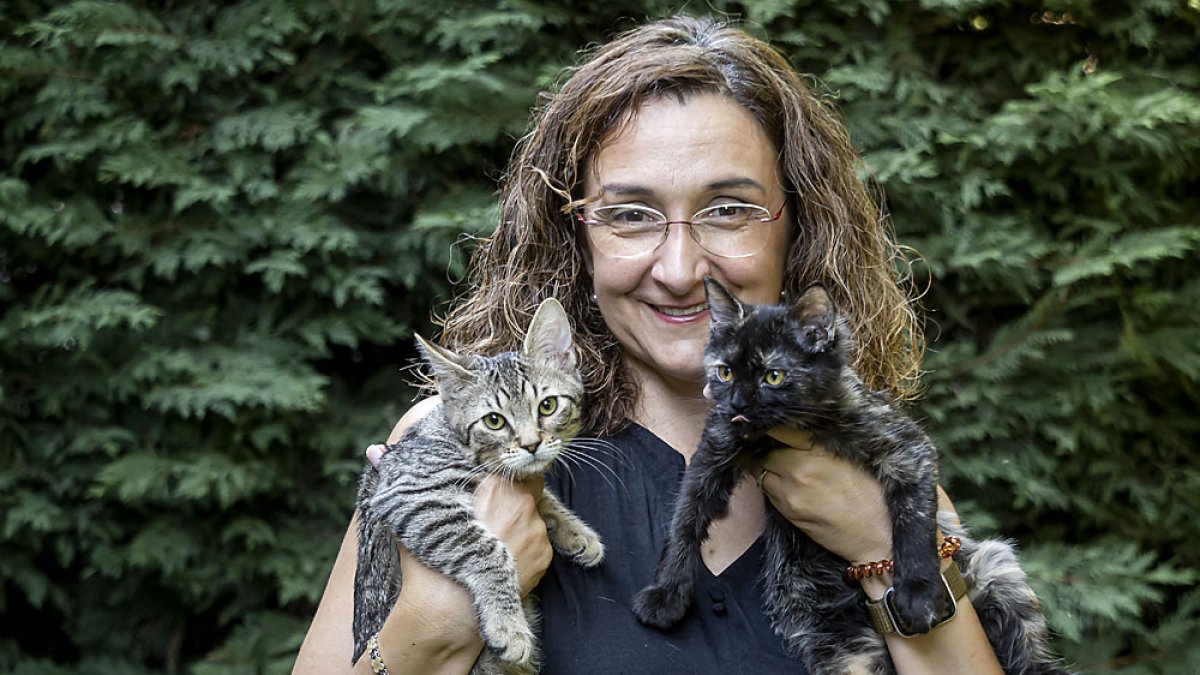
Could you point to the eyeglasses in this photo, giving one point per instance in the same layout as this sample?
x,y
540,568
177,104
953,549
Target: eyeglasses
x,y
725,230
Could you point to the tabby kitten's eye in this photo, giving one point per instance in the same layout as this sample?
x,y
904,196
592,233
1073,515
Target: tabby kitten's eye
x,y
773,378
494,421
548,406
724,373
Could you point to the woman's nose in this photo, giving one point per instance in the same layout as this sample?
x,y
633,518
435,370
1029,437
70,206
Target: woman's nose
x,y
680,263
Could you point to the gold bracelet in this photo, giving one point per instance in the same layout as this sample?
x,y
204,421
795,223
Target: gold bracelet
x,y
377,665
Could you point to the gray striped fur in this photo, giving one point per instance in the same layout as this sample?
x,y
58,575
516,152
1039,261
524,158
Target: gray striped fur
x,y
421,492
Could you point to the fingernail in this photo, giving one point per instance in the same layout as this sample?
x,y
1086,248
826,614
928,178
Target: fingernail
x,y
374,454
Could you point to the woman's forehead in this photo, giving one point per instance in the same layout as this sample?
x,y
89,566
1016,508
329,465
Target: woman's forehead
x,y
705,142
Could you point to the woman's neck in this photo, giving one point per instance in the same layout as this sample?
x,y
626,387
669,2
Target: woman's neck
x,y
673,410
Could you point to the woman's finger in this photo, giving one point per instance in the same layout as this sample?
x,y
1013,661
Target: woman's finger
x,y
793,438
375,453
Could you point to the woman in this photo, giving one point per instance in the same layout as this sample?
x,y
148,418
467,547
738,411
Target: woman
x,y
678,116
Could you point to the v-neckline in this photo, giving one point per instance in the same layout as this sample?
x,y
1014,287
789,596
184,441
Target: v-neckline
x,y
749,553
747,557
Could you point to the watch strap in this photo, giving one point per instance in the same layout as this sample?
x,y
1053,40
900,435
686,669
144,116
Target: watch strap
x,y
882,621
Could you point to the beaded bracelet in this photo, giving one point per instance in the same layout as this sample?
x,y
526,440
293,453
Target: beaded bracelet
x,y
856,573
377,665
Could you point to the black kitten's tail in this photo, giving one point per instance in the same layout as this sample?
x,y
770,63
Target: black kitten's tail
x,y
1007,607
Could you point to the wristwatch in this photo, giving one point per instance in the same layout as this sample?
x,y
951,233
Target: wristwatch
x,y
886,620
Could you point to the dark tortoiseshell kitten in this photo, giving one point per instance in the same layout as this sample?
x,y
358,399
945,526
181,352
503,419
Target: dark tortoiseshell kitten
x,y
788,366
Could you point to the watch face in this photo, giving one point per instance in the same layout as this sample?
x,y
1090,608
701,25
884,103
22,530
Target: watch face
x,y
906,629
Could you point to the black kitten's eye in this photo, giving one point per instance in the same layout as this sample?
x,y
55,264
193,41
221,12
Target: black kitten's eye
x,y
724,373
773,378
548,406
494,421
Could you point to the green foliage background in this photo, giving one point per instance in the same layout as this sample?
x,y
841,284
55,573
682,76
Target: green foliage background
x,y
220,223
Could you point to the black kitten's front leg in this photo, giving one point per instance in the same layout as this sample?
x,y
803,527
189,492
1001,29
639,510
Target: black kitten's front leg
x,y
920,592
707,484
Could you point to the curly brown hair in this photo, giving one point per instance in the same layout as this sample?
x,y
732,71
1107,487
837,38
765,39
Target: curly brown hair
x,y
840,235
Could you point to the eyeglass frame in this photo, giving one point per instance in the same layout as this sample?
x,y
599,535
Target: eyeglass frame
x,y
667,223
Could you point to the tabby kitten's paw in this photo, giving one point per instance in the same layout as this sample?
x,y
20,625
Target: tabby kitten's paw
x,y
592,553
511,640
578,542
661,606
920,601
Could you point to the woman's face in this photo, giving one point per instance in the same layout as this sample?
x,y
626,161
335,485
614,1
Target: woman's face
x,y
679,158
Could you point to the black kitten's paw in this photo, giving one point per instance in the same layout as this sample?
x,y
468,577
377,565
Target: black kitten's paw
x,y
920,602
661,606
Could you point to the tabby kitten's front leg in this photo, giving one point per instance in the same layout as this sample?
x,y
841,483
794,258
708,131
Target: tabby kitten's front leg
x,y
707,485
491,577
569,535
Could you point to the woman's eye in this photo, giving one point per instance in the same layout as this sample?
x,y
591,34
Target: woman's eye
x,y
494,421
773,378
548,406
624,216
724,373
631,216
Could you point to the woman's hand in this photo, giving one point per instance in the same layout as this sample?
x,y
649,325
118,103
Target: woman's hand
x,y
509,511
835,502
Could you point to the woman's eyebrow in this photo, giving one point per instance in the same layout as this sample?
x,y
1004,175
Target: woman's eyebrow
x,y
626,190
736,183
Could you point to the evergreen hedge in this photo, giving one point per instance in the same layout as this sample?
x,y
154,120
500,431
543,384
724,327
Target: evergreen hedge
x,y
220,224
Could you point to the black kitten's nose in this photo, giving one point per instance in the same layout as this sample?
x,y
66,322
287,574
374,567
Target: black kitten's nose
x,y
740,401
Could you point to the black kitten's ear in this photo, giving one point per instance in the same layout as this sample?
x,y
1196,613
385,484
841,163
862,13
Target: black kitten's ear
x,y
449,369
549,336
722,306
817,316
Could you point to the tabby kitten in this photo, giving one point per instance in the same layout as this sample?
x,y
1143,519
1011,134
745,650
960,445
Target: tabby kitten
x,y
510,414
773,366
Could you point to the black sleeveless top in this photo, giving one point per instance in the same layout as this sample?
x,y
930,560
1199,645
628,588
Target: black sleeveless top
x,y
587,626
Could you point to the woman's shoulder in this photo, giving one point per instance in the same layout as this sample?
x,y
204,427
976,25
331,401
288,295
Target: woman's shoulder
x,y
418,411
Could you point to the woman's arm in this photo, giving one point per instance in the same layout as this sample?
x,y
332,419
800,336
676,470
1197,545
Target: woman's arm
x,y
841,507
957,646
432,627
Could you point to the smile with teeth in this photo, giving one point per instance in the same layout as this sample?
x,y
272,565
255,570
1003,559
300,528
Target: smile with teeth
x,y
682,311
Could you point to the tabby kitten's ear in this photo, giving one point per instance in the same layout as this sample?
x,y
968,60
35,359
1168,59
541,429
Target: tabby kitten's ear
x,y
549,336
817,316
722,306
449,369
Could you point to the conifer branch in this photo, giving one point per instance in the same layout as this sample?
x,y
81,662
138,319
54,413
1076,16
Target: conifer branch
x,y
360,31
1045,311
